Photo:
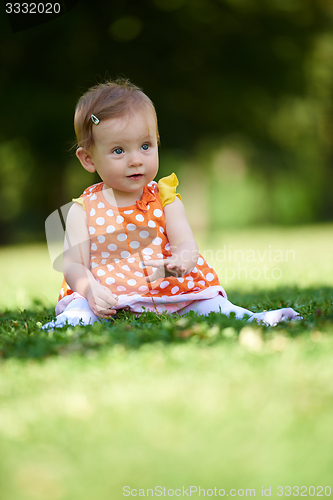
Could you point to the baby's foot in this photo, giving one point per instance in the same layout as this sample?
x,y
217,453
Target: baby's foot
x,y
71,317
272,318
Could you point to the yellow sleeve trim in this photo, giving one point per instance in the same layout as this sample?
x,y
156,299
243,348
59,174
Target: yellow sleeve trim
x,y
80,201
167,189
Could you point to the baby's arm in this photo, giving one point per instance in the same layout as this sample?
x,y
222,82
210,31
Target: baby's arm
x,y
183,246
76,265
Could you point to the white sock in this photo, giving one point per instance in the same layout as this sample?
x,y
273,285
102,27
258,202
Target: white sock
x,y
220,304
77,311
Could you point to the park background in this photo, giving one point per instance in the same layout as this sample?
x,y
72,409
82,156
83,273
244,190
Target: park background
x,y
244,95
243,91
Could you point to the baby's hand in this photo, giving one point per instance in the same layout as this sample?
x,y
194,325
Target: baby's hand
x,y
165,268
101,301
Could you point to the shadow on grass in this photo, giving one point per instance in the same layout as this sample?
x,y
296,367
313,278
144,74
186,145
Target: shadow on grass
x,y
21,336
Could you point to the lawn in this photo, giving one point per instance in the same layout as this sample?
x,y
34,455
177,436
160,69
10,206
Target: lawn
x,y
177,403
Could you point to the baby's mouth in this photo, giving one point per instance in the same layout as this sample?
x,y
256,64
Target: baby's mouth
x,y
135,176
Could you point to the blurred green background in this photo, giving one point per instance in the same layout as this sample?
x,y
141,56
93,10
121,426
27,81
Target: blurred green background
x,y
243,91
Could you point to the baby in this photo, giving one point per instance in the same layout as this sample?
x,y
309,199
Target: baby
x,y
128,243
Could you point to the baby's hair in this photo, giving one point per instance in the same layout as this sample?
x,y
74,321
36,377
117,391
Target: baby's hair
x,y
111,99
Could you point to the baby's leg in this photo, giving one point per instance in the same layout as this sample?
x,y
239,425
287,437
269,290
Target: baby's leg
x,y
224,306
77,311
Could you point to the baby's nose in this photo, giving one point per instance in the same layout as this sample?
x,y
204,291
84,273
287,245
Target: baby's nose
x,y
135,159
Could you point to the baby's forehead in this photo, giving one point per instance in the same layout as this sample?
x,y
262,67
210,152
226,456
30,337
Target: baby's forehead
x,y
141,122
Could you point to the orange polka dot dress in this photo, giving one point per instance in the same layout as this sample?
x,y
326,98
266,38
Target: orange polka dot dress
x,y
121,238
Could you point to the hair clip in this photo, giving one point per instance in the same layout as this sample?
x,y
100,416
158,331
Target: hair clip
x,y
95,119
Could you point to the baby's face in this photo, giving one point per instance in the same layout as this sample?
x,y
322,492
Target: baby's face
x,y
125,153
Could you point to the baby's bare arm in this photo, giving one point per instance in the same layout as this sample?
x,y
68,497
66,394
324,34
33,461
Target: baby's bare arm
x,y
183,246
76,266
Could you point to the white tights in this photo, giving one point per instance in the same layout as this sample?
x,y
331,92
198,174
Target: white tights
x,y
78,311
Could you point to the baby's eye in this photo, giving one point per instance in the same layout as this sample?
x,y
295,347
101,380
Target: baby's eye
x,y
118,151
145,147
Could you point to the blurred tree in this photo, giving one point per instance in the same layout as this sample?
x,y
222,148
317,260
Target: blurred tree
x,y
261,70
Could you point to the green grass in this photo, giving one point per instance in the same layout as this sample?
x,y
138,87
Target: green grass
x,y
162,400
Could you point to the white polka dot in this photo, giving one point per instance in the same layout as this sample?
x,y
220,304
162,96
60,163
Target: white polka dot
x,y
62,292
167,246
109,281
105,255
190,284
143,234
110,267
112,247
131,260
148,207
151,223
110,213
200,261
134,244
120,275
164,284
181,280
116,261
93,246
101,238
92,212
121,288
157,241
147,257
189,278
131,282
174,289
110,229
128,212
141,265
147,251
157,212
131,227
93,197
119,219
154,292
100,205
100,272
139,218
100,221
209,277
208,264
160,255
93,265
126,267
93,257
103,261
122,237
194,270
143,288
161,229
125,254
137,273
202,283
92,230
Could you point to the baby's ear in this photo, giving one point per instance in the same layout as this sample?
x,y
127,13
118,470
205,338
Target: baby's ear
x,y
85,160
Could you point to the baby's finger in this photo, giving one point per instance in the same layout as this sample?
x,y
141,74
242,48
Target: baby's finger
x,y
155,263
155,275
